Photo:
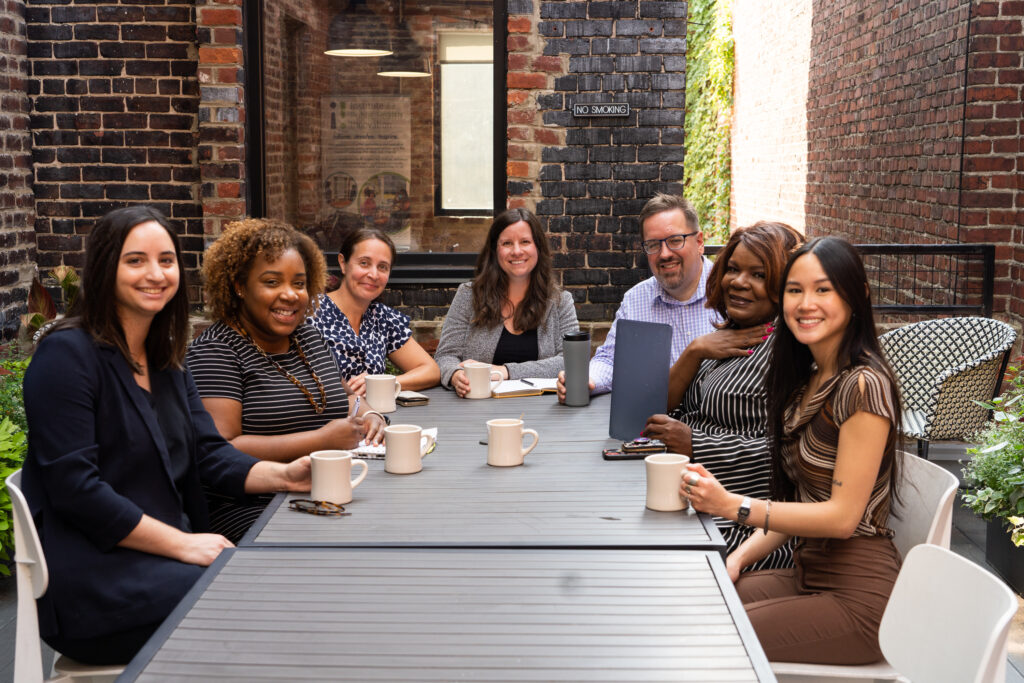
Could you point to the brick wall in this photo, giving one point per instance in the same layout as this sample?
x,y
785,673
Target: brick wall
x,y
17,240
588,177
884,110
769,126
114,101
992,202
221,114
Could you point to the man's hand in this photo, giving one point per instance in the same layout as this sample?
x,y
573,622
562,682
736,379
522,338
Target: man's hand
x,y
560,386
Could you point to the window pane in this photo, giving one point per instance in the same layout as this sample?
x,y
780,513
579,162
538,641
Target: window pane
x,y
356,141
467,136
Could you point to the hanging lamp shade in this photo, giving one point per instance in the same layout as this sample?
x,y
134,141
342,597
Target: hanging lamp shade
x,y
358,32
408,59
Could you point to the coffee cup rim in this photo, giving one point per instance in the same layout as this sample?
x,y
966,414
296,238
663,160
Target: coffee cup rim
x,y
504,422
478,364
667,459
331,455
381,376
402,429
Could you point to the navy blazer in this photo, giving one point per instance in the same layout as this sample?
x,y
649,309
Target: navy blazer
x,y
97,462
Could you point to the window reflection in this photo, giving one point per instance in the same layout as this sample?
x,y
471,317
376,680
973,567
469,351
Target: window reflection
x,y
400,141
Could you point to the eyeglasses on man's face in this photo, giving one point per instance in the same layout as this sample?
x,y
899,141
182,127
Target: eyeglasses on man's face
x,y
674,242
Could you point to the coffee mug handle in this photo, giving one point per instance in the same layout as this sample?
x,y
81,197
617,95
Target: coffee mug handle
x,y
536,438
398,388
362,475
430,442
495,383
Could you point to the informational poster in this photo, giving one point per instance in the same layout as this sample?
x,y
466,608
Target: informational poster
x,y
367,157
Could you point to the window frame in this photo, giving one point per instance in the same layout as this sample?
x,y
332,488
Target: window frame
x,y
423,267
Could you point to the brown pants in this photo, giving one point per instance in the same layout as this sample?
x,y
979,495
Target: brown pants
x,y
827,608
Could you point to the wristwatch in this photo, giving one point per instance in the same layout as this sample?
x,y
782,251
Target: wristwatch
x,y
744,511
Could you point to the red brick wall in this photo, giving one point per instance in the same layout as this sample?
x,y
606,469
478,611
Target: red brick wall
x,y
992,202
17,240
114,101
884,109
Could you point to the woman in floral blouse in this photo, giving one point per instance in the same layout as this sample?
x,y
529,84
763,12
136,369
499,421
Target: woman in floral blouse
x,y
362,332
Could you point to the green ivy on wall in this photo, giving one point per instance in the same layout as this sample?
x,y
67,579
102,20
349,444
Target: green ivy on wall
x,y
709,68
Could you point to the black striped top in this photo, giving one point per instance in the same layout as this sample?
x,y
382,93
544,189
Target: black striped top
x,y
726,408
226,365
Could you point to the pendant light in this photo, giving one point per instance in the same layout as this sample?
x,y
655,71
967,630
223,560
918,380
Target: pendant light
x,y
358,32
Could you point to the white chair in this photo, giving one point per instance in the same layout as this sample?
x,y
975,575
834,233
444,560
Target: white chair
x,y
947,621
925,515
33,578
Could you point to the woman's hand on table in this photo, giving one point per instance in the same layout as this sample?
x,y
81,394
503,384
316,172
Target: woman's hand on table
x,y
460,383
676,435
297,475
707,495
201,549
373,428
343,433
357,384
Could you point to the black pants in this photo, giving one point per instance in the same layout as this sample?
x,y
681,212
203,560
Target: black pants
x,y
115,648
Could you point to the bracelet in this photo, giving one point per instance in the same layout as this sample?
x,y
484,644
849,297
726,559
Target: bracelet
x,y
379,414
767,515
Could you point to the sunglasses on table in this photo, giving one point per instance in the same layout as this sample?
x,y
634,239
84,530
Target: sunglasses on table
x,y
317,507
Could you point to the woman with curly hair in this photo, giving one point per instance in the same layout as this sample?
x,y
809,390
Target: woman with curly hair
x,y
264,374
512,314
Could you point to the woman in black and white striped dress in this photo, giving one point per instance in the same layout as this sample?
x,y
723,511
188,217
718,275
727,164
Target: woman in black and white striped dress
x,y
717,395
264,374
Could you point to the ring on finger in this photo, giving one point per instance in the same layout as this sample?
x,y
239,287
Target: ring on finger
x,y
689,489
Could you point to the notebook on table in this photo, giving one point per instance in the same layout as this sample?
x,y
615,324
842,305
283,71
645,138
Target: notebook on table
x,y
531,386
643,355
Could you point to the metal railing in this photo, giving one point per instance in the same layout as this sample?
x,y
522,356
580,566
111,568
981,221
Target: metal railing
x,y
906,279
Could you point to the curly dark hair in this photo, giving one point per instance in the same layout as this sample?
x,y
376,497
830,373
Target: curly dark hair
x,y
227,262
771,243
490,283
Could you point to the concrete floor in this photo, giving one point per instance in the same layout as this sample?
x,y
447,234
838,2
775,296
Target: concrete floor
x,y
968,539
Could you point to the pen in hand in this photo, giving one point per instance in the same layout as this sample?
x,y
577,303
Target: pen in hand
x,y
355,407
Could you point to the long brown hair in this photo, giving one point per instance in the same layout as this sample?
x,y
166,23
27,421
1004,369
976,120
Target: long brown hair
x,y
771,243
95,313
490,284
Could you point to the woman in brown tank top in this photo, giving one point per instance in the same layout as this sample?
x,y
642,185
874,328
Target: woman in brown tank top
x,y
833,417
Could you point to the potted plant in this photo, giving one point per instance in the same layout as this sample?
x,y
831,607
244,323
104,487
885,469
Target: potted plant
x,y
995,480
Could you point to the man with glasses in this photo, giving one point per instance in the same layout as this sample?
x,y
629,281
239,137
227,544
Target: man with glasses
x,y
675,295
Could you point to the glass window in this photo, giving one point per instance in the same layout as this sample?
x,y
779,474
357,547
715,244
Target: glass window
x,y
380,114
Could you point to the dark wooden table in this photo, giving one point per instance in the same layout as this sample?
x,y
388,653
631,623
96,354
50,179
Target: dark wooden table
x,y
400,614
564,496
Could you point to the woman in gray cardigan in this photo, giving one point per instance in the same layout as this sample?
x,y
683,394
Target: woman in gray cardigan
x,y
512,314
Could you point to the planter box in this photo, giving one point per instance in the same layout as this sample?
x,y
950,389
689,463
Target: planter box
x,y
1006,558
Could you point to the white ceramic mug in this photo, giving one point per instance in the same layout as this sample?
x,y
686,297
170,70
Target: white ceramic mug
x,y
404,449
505,442
480,376
332,476
381,391
664,474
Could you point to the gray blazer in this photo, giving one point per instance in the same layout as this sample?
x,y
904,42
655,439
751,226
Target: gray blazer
x,y
460,339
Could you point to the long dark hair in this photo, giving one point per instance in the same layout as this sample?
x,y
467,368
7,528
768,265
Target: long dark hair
x,y
490,283
94,310
771,243
791,362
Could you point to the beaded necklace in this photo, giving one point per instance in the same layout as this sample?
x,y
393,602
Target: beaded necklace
x,y
293,342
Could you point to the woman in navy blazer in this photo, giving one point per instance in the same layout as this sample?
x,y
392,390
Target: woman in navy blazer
x,y
119,444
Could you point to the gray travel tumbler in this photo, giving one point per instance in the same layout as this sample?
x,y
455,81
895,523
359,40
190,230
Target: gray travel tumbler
x,y
576,351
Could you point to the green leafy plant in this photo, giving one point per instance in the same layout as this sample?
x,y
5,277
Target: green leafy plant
x,y
12,454
995,473
710,61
